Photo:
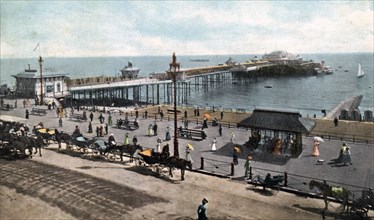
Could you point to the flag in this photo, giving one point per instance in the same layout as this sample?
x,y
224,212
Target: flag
x,y
36,47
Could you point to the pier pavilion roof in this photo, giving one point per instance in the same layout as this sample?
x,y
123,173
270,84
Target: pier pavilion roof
x,y
278,120
35,74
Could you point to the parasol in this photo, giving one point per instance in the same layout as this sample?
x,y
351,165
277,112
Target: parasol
x,y
237,149
207,115
319,139
190,146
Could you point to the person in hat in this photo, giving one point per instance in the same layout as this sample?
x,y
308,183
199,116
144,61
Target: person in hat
x,y
202,210
127,139
247,166
188,154
235,156
315,148
214,145
111,141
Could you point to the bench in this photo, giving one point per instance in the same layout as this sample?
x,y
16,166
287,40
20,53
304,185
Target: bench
x,y
171,110
127,125
38,111
191,134
78,117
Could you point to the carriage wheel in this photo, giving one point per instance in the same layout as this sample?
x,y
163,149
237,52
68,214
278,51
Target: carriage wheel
x,y
114,155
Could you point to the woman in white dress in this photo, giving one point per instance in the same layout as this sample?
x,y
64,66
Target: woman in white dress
x,y
214,145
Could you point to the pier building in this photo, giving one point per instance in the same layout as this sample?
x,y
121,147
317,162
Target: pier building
x,y
28,84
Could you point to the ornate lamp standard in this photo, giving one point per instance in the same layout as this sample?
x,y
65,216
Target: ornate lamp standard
x,y
173,71
41,79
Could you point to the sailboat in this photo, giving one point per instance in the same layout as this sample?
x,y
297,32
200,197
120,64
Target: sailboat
x,y
360,72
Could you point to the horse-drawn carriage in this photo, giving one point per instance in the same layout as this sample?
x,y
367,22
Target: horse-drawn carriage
x,y
268,182
164,160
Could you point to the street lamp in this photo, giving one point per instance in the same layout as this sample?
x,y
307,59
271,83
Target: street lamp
x,y
173,71
41,79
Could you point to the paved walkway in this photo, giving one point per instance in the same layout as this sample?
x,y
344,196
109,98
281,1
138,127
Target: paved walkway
x,y
359,174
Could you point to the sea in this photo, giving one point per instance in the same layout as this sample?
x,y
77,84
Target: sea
x,y
308,95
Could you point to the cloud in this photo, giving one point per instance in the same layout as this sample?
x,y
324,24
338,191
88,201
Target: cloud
x,y
117,28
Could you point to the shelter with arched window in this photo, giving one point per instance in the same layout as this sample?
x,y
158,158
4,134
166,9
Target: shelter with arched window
x,y
277,131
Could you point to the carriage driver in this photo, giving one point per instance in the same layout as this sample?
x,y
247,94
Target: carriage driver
x,y
111,140
77,132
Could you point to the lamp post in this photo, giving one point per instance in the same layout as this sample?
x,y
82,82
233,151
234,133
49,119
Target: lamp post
x,y
41,79
173,71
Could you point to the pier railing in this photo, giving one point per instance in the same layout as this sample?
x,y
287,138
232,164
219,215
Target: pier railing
x,y
343,137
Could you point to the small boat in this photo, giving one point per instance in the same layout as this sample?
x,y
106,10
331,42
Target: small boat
x,y
360,72
346,70
268,87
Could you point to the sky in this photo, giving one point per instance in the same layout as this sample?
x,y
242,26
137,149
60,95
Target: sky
x,y
150,28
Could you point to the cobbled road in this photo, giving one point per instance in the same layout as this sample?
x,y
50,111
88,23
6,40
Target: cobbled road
x,y
81,195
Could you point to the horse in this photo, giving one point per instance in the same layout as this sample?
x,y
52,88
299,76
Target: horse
x,y
131,150
179,163
62,137
338,193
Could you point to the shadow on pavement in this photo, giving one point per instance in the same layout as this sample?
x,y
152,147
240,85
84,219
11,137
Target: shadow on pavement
x,y
257,155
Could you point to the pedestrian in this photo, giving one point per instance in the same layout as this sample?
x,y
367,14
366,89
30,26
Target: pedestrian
x,y
110,122
162,115
188,153
1,102
60,122
101,131
135,140
205,123
84,114
90,127
136,113
158,145
235,157
27,114
186,123
97,131
315,148
336,121
232,137
214,145
91,116
150,130
347,156
202,210
167,135
247,166
15,104
106,129
198,112
155,129
101,118
23,102
127,139
185,113
221,115
158,109
53,104
146,114
194,112
220,130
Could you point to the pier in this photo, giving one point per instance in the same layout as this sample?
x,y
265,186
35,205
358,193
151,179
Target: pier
x,y
157,89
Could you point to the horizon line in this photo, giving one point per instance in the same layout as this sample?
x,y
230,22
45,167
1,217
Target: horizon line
x,y
10,57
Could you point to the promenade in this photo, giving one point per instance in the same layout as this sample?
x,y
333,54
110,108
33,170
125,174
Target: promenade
x,y
300,170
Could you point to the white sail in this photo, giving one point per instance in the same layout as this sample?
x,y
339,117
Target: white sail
x,y
360,72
